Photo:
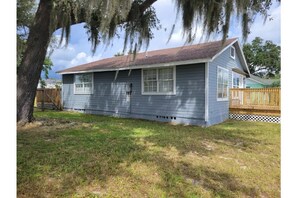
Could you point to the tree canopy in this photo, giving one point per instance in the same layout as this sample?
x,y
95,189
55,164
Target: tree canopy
x,y
263,58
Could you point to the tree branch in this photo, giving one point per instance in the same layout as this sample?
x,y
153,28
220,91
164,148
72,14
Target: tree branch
x,y
145,5
81,18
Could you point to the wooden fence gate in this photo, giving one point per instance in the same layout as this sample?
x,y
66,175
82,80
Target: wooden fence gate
x,y
48,99
262,104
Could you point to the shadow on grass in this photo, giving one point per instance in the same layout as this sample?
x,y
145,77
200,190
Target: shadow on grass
x,y
61,161
183,179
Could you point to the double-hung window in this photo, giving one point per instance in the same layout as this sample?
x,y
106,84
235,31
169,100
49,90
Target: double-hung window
x,y
83,83
238,80
158,81
222,84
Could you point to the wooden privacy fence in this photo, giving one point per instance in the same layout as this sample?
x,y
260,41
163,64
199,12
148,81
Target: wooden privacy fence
x,y
264,101
48,98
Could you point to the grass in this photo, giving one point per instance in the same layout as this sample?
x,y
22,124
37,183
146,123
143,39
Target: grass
x,y
67,154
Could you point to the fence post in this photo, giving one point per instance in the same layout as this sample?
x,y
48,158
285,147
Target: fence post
x,y
42,101
35,100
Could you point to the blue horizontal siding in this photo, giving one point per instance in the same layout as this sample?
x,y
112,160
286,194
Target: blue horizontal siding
x,y
219,110
109,96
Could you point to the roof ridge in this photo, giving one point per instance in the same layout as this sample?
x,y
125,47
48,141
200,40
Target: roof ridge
x,y
188,45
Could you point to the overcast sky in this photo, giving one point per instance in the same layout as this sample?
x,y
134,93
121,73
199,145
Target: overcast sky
x,y
79,49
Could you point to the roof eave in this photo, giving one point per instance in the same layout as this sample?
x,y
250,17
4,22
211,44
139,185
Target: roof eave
x,y
243,57
220,52
241,54
187,62
257,81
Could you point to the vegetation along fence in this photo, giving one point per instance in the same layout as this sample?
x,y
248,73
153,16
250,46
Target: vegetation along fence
x,y
255,104
48,99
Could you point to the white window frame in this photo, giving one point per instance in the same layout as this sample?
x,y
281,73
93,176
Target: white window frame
x,y
232,48
159,93
83,93
227,98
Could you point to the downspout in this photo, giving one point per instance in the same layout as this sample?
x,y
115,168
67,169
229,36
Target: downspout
x,y
206,92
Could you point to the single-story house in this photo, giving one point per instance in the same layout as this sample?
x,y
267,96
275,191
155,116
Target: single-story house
x,y
188,84
257,82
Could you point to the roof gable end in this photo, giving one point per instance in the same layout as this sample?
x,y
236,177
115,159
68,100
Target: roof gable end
x,y
240,54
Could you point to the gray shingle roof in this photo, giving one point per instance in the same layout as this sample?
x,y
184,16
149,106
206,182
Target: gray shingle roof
x,y
192,52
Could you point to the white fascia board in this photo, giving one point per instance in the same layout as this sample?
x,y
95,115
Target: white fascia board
x,y
142,66
241,53
223,50
243,57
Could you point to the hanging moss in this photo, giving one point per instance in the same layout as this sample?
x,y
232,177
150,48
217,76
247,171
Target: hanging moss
x,y
215,15
104,18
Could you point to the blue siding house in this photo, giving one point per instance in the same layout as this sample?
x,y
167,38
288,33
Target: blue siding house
x,y
187,85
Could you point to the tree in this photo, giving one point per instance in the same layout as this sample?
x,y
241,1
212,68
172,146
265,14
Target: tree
x,y
47,66
103,18
42,83
263,58
276,83
25,16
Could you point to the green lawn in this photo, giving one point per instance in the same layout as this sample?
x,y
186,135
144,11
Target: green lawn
x,y
67,154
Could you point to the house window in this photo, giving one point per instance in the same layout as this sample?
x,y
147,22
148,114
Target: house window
x,y
158,81
83,83
232,52
222,83
238,80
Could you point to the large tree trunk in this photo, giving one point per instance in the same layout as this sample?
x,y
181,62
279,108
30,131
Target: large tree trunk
x,y
31,65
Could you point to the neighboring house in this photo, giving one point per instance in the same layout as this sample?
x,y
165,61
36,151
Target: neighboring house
x,y
51,83
188,84
257,82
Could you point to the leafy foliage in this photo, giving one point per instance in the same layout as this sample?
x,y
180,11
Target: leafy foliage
x,y
47,66
21,46
263,58
42,83
25,15
276,84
